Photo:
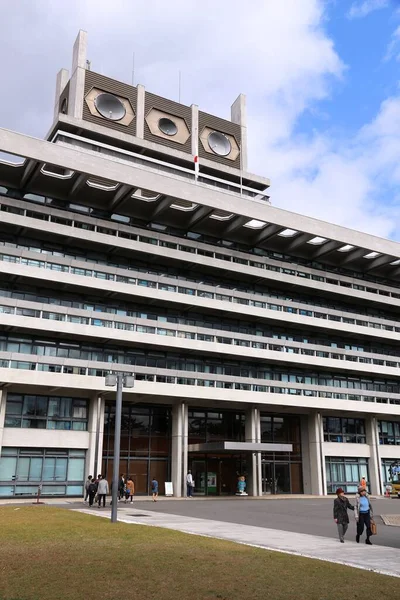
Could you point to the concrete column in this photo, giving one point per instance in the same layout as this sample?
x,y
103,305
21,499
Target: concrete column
x,y
98,461
375,475
93,435
252,431
179,463
62,80
195,130
140,107
185,442
259,457
311,447
77,84
3,401
239,116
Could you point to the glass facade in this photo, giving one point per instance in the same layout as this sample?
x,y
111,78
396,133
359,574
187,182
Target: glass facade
x,y
216,474
342,429
60,472
46,412
282,473
345,473
145,444
389,433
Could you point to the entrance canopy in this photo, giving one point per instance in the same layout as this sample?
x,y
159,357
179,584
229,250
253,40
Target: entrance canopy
x,y
230,447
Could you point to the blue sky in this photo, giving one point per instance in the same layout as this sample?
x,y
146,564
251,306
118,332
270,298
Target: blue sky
x,y
321,79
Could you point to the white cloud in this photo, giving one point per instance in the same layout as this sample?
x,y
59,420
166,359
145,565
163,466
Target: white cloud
x,y
358,10
393,49
277,52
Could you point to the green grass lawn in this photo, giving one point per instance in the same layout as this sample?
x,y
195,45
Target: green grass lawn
x,y
48,553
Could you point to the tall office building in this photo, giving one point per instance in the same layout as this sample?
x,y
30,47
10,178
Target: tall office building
x,y
263,343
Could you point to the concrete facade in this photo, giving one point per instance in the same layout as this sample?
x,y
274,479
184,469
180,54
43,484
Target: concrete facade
x,y
240,321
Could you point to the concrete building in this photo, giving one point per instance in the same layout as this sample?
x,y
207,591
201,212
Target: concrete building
x,y
263,343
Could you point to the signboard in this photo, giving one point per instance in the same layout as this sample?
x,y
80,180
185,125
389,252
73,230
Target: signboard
x,y
211,483
169,489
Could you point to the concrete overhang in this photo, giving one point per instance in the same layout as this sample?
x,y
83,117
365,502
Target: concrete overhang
x,y
219,447
252,222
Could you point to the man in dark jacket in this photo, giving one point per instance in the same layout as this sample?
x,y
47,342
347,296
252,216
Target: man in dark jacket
x,y
340,506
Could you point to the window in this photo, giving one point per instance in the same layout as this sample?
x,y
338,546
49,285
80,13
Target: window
x,y
341,429
345,473
23,469
389,433
46,412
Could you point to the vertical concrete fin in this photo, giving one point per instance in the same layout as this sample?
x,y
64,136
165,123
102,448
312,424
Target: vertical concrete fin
x,y
140,108
195,129
239,116
61,82
77,84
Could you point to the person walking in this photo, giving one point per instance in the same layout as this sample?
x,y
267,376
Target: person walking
x,y
92,489
130,490
121,487
87,483
340,506
189,484
363,513
363,483
154,489
102,491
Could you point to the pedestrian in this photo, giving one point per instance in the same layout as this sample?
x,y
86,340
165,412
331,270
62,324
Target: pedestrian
x,y
102,491
340,506
363,513
92,489
130,489
363,483
154,489
87,483
121,487
189,484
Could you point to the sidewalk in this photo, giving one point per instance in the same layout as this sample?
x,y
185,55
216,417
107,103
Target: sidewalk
x,y
380,559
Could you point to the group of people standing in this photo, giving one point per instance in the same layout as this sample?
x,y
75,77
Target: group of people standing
x,y
363,513
97,489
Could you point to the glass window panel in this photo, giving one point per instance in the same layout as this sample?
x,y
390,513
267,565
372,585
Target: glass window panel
x,y
76,469
49,469
74,490
23,469
8,467
61,469
35,472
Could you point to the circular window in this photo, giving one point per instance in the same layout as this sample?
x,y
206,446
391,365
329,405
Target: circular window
x,y
219,143
167,126
110,107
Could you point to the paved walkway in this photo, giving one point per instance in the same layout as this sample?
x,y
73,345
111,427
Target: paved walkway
x,y
379,559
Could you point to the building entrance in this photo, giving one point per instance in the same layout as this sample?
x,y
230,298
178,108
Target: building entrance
x,y
217,475
281,478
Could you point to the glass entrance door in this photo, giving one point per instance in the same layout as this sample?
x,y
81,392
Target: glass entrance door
x,y
276,478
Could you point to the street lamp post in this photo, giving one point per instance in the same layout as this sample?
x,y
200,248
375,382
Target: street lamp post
x,y
120,380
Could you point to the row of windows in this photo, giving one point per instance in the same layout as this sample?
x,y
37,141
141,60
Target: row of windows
x,y
188,335
228,385
201,238
195,320
345,473
184,274
23,469
338,429
177,362
46,412
192,292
